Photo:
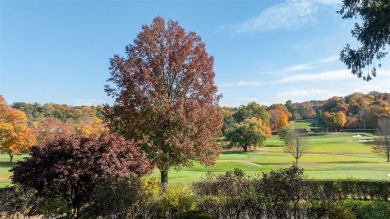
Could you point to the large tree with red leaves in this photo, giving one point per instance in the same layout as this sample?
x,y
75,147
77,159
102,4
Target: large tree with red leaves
x,y
165,97
71,167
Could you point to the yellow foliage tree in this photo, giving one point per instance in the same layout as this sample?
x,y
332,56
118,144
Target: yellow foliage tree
x,y
335,120
263,126
88,126
15,136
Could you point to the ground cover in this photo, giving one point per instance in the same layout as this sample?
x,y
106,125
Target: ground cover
x,y
330,156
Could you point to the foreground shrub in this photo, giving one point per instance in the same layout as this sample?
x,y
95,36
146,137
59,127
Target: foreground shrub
x,y
224,196
368,209
16,201
70,168
176,200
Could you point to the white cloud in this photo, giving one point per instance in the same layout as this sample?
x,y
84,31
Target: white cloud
x,y
290,15
298,67
323,76
242,84
329,59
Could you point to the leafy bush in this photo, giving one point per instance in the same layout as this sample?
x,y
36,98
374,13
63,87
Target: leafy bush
x,y
368,209
125,198
174,201
194,215
16,201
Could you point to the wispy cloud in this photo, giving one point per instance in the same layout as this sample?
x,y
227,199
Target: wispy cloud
x,y
300,95
242,84
303,66
329,59
290,15
322,76
298,67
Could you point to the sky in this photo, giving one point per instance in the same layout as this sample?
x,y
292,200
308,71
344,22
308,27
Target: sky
x,y
268,51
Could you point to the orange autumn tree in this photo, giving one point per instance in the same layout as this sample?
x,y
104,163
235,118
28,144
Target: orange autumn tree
x,y
279,119
15,136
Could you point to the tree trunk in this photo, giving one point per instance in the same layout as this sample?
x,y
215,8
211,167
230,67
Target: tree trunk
x,y
11,156
164,179
245,147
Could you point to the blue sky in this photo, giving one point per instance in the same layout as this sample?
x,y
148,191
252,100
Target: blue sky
x,y
265,51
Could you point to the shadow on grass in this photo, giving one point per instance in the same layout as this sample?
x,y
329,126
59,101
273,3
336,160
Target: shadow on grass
x,y
349,162
317,134
7,164
236,152
316,163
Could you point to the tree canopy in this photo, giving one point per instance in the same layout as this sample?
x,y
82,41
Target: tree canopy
x,y
165,97
248,133
15,136
373,35
71,167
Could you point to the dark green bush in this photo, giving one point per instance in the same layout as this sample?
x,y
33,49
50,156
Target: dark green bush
x,y
368,209
195,215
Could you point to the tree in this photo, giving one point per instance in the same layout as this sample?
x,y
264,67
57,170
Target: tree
x,y
165,97
384,133
283,134
51,128
15,136
373,34
335,120
71,167
87,126
250,132
279,119
251,110
292,109
296,143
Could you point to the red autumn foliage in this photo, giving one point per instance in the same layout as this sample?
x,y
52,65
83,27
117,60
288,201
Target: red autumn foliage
x,y
165,97
71,167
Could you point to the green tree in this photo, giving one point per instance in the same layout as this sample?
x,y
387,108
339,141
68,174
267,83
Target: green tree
x,y
248,133
251,110
165,97
373,34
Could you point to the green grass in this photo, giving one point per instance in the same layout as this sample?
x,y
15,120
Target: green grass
x,y
5,166
330,156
